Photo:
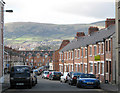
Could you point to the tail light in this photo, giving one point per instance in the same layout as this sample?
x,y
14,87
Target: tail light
x,y
53,75
74,77
66,77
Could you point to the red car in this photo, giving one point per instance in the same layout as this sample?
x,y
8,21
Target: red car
x,y
48,75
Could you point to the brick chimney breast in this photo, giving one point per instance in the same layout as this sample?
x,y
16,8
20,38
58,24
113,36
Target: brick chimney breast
x,y
80,34
92,30
109,22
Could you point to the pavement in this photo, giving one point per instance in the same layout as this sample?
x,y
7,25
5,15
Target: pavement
x,y
110,87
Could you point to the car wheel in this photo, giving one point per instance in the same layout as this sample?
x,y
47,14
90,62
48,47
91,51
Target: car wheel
x,y
78,86
30,86
11,86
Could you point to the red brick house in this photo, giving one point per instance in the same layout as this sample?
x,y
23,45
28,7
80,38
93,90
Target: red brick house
x,y
92,53
37,58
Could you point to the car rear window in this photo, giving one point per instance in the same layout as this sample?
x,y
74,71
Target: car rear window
x,y
88,76
20,69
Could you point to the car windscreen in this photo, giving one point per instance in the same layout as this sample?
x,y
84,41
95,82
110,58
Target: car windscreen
x,y
20,69
57,73
87,76
77,74
46,72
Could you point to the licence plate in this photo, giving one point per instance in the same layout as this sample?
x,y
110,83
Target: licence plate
x,y
57,75
19,83
89,82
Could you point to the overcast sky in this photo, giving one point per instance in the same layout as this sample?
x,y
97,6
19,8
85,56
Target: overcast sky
x,y
59,11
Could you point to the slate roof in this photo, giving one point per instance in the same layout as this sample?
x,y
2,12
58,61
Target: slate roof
x,y
95,37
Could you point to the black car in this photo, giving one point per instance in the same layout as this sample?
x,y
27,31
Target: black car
x,y
21,76
72,79
55,75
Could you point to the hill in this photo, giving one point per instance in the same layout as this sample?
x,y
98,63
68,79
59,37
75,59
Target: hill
x,y
29,32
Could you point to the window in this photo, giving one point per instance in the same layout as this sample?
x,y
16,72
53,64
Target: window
x,y
109,45
99,68
75,53
60,56
95,50
72,55
38,56
78,53
82,52
43,60
69,55
99,49
106,45
85,68
95,68
102,48
65,68
85,52
79,68
91,67
46,56
29,56
72,67
106,66
64,55
76,67
102,68
69,68
82,67
31,60
90,50
27,60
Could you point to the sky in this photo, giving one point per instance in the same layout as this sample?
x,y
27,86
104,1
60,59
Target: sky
x,y
59,11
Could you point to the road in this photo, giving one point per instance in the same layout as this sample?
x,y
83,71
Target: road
x,y
51,85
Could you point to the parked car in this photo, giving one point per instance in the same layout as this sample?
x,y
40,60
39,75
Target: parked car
x,y
36,71
55,75
21,75
73,77
44,74
48,75
34,77
64,77
88,80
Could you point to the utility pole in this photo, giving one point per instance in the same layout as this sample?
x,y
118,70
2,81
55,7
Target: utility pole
x,y
118,43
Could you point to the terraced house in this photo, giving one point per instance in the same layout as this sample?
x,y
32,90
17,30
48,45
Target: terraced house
x,y
38,58
92,53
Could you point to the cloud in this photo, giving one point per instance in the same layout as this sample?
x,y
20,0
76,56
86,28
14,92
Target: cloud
x,y
59,11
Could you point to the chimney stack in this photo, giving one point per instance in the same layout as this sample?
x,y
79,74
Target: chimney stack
x,y
109,22
80,34
92,30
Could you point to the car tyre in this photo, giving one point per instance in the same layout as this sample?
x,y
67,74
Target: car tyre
x,y
30,86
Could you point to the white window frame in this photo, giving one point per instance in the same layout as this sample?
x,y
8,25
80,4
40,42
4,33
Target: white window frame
x,y
91,65
102,68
